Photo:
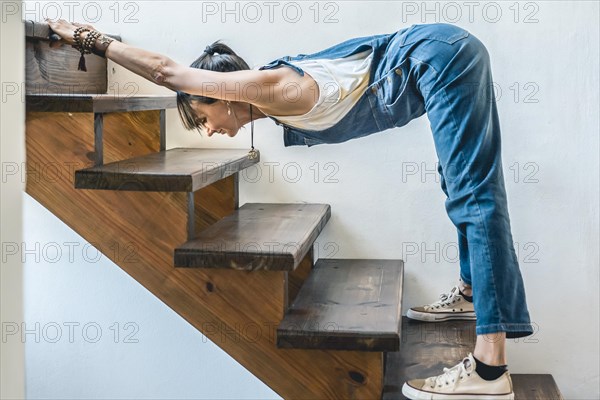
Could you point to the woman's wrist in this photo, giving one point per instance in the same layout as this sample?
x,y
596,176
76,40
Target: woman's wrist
x,y
100,44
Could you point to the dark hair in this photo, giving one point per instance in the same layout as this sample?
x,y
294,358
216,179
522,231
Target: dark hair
x,y
216,57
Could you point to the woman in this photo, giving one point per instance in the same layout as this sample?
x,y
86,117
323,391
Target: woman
x,y
366,85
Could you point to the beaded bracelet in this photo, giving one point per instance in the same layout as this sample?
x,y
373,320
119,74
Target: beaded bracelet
x,y
77,38
79,46
88,45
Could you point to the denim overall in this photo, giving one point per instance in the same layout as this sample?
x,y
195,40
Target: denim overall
x,y
444,71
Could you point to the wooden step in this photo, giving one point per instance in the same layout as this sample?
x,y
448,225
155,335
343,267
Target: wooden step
x,y
257,236
98,103
175,170
427,348
535,387
346,304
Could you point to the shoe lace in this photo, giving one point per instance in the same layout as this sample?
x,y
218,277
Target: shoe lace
x,y
445,298
451,376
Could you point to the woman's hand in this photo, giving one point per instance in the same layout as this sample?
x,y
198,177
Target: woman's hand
x,y
65,30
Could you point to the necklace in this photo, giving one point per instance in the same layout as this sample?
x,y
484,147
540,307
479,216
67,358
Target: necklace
x,y
252,154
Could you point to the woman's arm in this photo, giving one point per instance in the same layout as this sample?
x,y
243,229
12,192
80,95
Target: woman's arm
x,y
256,87
248,86
146,64
141,62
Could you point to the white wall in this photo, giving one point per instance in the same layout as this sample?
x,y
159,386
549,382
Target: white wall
x,y
381,206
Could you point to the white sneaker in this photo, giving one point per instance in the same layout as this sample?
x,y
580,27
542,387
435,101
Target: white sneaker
x,y
450,306
460,382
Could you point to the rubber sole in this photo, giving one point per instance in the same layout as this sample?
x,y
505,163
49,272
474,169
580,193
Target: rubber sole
x,y
439,317
415,394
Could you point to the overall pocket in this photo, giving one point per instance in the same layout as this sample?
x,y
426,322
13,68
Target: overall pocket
x,y
400,96
393,84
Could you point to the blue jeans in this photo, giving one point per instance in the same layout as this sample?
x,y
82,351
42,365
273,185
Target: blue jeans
x,y
450,78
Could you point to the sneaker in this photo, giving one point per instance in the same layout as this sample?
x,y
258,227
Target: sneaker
x,y
460,382
450,306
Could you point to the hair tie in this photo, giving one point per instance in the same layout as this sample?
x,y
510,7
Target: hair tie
x,y
209,50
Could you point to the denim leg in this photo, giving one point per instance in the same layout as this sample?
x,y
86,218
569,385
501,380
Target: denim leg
x,y
465,262
463,248
455,81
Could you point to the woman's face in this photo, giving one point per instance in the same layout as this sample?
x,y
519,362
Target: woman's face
x,y
214,118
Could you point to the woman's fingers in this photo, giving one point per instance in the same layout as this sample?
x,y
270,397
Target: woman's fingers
x,y
55,26
54,43
63,29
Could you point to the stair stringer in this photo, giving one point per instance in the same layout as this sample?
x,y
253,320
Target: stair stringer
x,y
238,310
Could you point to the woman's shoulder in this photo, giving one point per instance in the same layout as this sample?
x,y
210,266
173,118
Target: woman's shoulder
x,y
289,93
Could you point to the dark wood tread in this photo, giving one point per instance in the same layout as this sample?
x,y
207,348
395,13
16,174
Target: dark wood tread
x,y
426,348
98,103
346,304
535,387
257,236
175,170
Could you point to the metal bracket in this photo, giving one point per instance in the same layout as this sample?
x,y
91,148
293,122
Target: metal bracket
x,y
163,130
191,222
98,143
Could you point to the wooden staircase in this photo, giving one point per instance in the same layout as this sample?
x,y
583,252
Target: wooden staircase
x,y
243,276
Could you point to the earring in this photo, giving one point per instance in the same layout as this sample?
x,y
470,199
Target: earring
x,y
228,108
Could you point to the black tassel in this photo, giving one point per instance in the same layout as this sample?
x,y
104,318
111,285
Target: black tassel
x,y
81,66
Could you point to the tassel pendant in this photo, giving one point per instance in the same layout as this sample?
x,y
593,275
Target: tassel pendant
x,y
252,154
81,66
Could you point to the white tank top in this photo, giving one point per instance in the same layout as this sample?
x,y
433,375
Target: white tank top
x,y
341,82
